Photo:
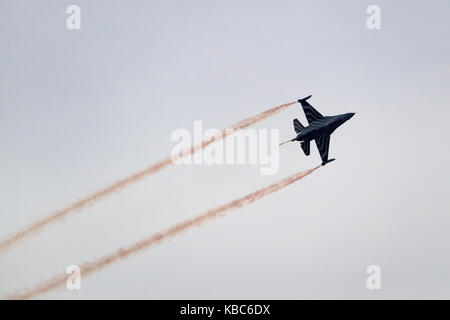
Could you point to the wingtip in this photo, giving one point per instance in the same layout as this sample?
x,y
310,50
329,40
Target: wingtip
x,y
304,99
328,161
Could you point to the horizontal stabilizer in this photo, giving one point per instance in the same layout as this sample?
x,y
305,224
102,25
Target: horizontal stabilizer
x,y
305,147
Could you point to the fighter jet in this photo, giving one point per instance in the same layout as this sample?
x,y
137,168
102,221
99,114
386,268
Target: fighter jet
x,y
320,128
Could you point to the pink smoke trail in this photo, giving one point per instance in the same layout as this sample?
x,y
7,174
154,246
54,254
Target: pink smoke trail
x,y
89,268
131,179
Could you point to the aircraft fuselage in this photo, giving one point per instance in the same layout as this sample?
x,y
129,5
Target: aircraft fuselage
x,y
327,124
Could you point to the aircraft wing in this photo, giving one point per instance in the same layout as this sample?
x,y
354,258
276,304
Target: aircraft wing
x,y
323,144
310,113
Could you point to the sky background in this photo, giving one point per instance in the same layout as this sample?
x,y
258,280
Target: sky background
x,y
81,109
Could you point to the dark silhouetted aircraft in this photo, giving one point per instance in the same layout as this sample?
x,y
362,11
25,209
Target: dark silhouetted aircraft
x,y
320,128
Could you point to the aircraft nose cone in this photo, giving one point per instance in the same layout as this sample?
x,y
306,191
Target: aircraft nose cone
x,y
349,115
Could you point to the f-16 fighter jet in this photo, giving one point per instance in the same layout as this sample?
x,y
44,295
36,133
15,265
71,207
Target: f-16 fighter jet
x,y
320,128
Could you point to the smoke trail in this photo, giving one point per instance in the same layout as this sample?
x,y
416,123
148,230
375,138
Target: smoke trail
x,y
119,185
122,253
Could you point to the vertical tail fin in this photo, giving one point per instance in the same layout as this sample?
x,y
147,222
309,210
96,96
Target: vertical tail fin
x,y
298,126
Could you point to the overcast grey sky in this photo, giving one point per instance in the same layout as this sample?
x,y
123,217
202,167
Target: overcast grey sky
x,y
80,109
